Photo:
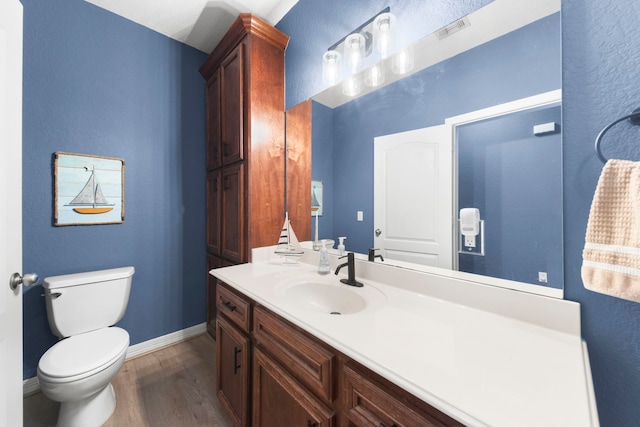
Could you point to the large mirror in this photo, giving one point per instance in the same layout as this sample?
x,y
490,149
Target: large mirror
x,y
492,92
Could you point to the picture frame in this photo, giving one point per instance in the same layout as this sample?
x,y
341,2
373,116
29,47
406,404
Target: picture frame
x,y
89,190
316,198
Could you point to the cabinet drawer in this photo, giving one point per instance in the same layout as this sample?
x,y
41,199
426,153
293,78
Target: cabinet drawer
x,y
308,360
234,306
368,404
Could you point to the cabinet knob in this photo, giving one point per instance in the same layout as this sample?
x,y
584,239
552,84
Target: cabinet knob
x,y
312,423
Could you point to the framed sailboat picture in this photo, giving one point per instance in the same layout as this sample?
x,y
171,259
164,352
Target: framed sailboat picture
x,y
316,198
88,189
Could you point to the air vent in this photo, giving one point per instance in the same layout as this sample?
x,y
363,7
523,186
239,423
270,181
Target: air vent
x,y
460,24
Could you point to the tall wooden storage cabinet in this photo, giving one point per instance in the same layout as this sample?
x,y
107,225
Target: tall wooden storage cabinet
x,y
245,144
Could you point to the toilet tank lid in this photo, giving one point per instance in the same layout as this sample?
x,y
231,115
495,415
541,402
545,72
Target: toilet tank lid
x,y
75,279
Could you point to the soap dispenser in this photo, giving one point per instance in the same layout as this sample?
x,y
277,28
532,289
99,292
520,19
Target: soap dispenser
x,y
341,249
323,266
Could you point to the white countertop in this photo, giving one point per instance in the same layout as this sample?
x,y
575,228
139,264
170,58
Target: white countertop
x,y
484,356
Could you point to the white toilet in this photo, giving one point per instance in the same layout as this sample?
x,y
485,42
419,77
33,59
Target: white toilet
x,y
77,370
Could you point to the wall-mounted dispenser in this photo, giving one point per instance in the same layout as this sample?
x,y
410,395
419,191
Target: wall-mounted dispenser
x,y
471,231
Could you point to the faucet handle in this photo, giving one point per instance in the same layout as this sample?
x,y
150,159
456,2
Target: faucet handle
x,y
373,256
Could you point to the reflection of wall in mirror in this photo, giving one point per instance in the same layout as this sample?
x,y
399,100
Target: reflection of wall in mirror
x,y
515,178
523,63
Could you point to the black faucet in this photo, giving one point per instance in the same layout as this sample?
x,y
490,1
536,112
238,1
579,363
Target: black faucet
x,y
373,256
351,276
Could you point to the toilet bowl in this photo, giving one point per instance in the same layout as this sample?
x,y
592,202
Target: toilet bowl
x,y
77,371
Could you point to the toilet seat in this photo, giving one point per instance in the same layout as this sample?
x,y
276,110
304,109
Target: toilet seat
x,y
83,355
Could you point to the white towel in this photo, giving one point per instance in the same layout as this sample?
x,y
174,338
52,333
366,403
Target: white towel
x,y
611,256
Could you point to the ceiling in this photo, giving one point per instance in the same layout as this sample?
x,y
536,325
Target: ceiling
x,y
197,23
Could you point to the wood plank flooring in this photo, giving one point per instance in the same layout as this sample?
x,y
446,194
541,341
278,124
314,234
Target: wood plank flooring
x,y
171,387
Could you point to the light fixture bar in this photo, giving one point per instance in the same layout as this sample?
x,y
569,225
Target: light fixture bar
x,y
359,29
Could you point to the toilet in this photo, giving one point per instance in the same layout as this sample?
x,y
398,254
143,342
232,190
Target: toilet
x,y
77,371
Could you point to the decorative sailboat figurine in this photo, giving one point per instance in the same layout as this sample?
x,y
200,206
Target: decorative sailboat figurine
x,y
288,244
91,200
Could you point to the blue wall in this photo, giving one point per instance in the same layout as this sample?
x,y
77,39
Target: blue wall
x,y
95,83
600,62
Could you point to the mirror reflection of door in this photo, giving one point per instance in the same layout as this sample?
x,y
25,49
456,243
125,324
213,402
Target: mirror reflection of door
x,y
413,196
514,177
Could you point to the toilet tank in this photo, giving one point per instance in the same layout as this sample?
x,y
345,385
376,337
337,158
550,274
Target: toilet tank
x,y
84,302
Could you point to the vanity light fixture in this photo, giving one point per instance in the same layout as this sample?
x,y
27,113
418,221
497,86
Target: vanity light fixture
x,y
402,62
374,76
331,65
383,32
343,60
354,50
351,86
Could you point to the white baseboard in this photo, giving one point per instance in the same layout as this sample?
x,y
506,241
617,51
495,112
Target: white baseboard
x,y
32,385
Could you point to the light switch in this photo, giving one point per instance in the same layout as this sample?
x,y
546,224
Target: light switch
x,y
360,216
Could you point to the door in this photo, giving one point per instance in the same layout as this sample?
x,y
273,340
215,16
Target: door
x,y
413,208
232,100
234,214
10,211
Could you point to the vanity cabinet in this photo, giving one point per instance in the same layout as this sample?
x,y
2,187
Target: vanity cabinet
x,y
245,141
298,380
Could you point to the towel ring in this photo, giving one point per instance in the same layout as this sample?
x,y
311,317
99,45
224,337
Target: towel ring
x,y
634,119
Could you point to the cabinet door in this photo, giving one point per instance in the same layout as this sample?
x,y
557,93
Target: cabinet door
x,y
232,371
213,122
279,400
234,219
232,98
214,206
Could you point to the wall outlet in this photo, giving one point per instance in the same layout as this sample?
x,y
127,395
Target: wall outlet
x,y
542,276
360,216
470,241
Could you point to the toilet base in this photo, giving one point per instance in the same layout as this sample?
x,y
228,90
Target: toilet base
x,y
89,412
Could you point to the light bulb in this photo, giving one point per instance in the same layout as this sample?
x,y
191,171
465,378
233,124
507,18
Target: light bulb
x,y
402,62
354,50
374,76
383,31
331,62
351,86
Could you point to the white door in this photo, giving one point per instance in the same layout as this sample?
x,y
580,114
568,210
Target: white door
x,y
10,211
413,208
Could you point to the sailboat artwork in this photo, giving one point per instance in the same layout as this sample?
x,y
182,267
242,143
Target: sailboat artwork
x,y
89,190
91,200
288,244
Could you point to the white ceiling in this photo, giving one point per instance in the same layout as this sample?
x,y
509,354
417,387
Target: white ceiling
x,y
197,23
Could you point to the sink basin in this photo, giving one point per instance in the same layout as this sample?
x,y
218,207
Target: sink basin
x,y
330,296
325,298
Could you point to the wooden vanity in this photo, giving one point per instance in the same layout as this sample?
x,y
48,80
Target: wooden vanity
x,y
295,379
431,351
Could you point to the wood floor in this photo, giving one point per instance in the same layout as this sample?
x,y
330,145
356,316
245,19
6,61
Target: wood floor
x,y
172,387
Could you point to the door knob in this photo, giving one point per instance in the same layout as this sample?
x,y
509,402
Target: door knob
x,y
378,232
26,280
